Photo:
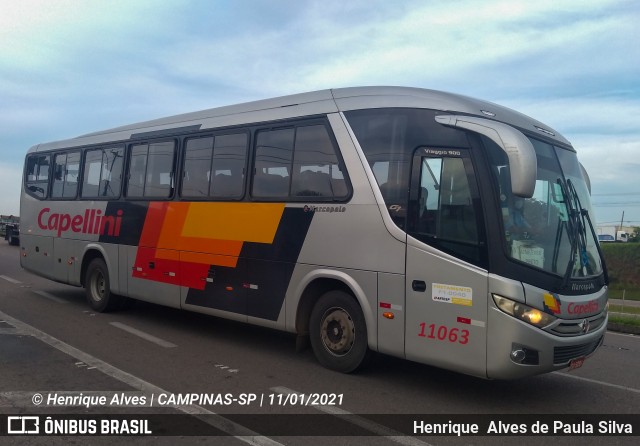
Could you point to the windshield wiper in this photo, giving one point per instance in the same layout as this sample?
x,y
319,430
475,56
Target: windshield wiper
x,y
572,231
586,217
577,224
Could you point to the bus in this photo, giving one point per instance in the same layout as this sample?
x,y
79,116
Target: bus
x,y
420,224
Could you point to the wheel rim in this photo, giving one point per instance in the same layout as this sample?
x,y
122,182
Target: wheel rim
x,y
98,286
337,331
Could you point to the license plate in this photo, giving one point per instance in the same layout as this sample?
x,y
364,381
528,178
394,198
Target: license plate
x,y
576,363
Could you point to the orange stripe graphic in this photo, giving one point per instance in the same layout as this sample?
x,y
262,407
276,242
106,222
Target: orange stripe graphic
x,y
204,234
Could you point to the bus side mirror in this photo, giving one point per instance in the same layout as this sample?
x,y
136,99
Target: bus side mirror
x,y
522,156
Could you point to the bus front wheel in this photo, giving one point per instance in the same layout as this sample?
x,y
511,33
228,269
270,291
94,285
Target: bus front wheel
x,y
338,332
98,289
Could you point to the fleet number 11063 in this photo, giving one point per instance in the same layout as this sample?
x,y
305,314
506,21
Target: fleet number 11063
x,y
444,333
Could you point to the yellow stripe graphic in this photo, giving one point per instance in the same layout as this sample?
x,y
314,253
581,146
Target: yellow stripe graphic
x,y
245,222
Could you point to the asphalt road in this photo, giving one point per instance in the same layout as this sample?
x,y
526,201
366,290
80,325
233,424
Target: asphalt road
x,y
52,345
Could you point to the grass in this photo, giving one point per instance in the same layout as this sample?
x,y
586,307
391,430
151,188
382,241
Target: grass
x,y
629,293
626,309
623,264
625,320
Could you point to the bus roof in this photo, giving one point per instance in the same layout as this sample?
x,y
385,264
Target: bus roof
x,y
307,104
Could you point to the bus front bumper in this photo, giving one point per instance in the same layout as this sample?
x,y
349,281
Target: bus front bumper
x,y
516,349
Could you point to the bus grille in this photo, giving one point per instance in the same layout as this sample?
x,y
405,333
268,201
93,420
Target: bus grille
x,y
562,355
573,328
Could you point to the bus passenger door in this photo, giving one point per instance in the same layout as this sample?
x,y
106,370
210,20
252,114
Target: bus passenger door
x,y
446,283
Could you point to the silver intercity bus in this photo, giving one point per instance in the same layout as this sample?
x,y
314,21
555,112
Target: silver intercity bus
x,y
420,224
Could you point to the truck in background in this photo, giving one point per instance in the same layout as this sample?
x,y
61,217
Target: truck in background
x,y
12,233
612,234
10,228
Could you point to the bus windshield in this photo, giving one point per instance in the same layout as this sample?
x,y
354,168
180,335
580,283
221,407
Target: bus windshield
x,y
553,229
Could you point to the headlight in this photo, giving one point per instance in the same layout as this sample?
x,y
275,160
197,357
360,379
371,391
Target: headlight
x,y
524,312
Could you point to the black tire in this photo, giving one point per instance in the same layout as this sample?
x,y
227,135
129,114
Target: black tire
x,y
338,332
12,238
98,288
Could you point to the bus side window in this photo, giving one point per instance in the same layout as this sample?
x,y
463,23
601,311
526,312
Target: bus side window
x,y
102,172
37,175
137,171
65,175
151,170
316,172
444,215
297,162
214,166
111,178
159,181
92,170
229,159
197,167
457,215
59,165
72,170
274,150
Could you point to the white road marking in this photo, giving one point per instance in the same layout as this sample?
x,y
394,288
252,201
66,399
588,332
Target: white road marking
x,y
219,422
595,381
369,425
143,335
626,335
603,383
9,279
50,296
7,328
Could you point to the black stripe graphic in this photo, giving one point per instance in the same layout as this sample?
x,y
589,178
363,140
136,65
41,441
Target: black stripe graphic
x,y
258,284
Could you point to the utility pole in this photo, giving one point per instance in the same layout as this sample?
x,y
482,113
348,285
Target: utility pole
x,y
621,220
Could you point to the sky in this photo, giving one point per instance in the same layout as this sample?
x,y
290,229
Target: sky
x,y
70,67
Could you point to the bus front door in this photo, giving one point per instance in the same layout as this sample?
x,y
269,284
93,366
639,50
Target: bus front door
x,y
446,287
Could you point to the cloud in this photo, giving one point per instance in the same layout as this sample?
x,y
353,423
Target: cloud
x,y
612,163
463,46
70,67
605,114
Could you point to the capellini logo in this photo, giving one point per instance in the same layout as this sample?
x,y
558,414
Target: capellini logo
x,y
91,222
552,303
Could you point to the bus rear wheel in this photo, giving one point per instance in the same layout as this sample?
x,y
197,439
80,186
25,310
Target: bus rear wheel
x,y
98,289
338,332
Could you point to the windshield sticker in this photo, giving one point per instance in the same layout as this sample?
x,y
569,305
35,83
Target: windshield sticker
x,y
552,303
452,294
528,252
